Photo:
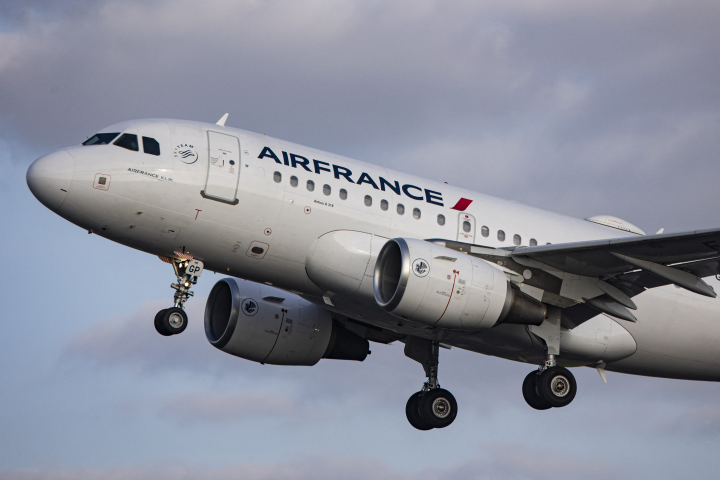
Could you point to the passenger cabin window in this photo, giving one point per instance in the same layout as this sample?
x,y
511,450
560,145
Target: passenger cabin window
x,y
466,226
343,194
400,209
368,200
533,242
501,235
277,176
129,141
384,205
416,213
101,139
151,146
326,189
293,181
517,240
310,185
441,219
485,231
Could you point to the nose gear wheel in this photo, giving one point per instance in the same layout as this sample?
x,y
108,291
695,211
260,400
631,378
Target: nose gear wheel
x,y
174,320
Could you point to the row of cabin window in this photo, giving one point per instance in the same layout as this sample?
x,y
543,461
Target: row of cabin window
x,y
327,190
384,205
485,232
126,140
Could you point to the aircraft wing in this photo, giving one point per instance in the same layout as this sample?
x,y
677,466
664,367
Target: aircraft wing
x,y
698,251
631,265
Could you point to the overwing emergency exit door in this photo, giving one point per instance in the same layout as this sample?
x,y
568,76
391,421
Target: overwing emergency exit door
x,y
223,169
466,228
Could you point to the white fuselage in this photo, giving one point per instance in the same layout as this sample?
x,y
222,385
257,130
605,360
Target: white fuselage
x,y
163,205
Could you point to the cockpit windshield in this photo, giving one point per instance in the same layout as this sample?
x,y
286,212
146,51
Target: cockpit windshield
x,y
101,138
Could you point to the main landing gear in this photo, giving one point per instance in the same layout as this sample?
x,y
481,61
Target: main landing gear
x,y
431,407
550,386
174,320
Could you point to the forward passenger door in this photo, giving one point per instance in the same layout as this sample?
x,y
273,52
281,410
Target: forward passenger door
x,y
223,168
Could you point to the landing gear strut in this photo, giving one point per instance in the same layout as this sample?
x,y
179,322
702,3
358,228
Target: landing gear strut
x,y
550,386
431,407
174,320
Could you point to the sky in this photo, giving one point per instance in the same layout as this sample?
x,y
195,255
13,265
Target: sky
x,y
582,108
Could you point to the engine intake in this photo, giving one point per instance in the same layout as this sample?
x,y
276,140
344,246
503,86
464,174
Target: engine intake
x,y
434,285
268,325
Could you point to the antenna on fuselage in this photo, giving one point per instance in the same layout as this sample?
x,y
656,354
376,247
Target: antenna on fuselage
x,y
222,120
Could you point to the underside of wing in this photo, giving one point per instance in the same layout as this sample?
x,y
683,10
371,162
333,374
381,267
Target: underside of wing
x,y
596,258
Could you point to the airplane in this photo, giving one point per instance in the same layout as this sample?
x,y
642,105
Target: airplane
x,y
324,254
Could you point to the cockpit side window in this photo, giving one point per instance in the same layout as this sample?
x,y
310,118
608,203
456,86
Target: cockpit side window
x,y
127,140
151,146
101,138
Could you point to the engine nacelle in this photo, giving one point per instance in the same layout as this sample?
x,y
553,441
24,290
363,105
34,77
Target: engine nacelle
x,y
268,325
434,285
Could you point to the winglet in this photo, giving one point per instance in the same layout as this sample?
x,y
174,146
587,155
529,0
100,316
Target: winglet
x,y
222,120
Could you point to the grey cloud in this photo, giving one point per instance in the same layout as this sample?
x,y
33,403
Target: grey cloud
x,y
516,461
583,108
225,407
132,341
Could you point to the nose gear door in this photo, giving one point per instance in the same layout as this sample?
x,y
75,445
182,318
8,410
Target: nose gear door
x,y
466,228
223,170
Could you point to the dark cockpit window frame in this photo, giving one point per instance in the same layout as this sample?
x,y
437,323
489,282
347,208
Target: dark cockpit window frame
x,y
128,141
101,138
151,146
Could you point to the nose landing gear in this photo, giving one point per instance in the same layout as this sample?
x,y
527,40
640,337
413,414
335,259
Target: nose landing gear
x,y
174,320
431,407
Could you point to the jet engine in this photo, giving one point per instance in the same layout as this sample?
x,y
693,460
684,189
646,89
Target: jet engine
x,y
434,285
268,325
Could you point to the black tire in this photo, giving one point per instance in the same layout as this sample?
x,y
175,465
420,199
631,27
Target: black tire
x,y
174,320
557,386
159,325
529,391
438,408
412,412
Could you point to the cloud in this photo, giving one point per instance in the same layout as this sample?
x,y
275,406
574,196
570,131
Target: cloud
x,y
131,340
226,407
614,102
514,461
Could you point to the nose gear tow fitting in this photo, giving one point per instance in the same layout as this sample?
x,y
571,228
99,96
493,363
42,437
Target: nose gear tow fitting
x,y
174,320
431,407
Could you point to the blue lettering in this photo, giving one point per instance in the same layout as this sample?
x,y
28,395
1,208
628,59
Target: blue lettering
x,y
346,173
395,188
303,163
405,189
365,178
431,195
318,168
269,153
285,158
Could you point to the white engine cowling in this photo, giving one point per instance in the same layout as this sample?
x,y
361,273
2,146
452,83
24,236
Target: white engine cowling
x,y
434,285
268,325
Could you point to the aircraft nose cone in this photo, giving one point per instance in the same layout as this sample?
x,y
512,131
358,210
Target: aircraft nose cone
x,y
49,178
